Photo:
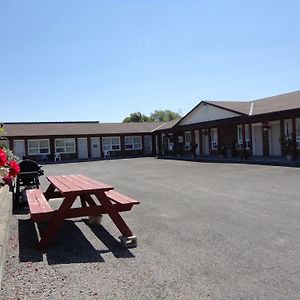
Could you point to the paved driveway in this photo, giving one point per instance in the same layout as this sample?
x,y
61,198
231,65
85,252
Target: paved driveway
x,y
205,231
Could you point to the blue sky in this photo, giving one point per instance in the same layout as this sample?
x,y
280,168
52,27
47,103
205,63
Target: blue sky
x,y
101,60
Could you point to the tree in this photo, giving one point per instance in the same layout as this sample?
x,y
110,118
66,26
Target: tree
x,y
156,116
136,117
164,115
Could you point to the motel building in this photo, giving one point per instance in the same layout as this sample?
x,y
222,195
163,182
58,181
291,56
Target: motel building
x,y
261,129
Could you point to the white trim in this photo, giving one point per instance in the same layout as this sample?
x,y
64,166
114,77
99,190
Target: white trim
x,y
133,148
214,142
38,147
110,144
188,143
240,136
82,152
64,146
24,148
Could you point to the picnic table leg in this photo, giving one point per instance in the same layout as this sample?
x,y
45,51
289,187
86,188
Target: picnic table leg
x,y
93,220
56,222
49,192
114,214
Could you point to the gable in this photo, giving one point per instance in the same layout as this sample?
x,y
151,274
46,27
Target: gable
x,y
206,112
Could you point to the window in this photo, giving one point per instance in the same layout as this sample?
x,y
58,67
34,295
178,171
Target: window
x,y
240,136
214,138
133,143
65,145
36,147
188,140
111,143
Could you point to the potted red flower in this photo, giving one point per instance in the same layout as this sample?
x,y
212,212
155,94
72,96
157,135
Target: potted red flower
x,y
9,167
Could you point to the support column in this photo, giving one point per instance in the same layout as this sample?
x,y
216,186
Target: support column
x,y
88,142
282,136
294,134
243,141
201,142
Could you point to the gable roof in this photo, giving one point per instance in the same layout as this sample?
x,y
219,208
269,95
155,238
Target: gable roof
x,y
272,104
234,106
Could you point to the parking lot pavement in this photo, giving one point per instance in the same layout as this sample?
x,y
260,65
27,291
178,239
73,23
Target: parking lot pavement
x,y
205,231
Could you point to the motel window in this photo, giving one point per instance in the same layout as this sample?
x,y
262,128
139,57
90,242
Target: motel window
x,y
214,138
111,143
188,140
133,143
36,147
240,136
65,145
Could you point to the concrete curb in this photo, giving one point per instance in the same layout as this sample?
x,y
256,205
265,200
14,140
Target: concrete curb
x,y
5,217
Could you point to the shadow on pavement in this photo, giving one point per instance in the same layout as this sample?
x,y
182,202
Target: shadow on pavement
x,y
69,246
109,241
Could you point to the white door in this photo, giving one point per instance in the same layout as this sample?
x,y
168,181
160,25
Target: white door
x,y
197,141
205,143
19,148
148,144
82,148
95,147
257,139
274,139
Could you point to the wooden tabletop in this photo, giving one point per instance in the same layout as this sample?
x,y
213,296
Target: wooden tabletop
x,y
79,184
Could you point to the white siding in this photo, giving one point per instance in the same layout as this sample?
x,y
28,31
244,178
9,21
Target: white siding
x,y
206,112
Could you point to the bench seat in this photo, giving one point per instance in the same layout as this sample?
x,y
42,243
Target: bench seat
x,y
121,199
40,209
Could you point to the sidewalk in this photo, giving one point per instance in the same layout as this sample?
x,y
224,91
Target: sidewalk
x,y
5,217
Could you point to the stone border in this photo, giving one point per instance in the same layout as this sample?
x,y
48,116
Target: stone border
x,y
5,217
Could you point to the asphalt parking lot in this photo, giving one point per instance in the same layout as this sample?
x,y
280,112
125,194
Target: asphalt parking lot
x,y
205,231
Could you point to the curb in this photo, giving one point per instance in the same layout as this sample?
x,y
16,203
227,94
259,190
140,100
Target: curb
x,y
5,217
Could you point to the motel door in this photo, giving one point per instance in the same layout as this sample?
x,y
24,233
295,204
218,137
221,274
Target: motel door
x,y
19,148
257,139
274,138
95,147
82,148
148,144
205,143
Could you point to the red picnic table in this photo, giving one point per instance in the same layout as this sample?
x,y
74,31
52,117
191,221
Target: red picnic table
x,y
96,198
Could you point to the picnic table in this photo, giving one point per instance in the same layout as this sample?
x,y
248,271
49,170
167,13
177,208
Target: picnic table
x,y
96,199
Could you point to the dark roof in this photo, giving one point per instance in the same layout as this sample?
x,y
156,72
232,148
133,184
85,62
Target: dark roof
x,y
79,128
167,125
262,106
235,106
277,103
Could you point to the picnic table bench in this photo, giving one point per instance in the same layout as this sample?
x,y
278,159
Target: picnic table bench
x,y
104,201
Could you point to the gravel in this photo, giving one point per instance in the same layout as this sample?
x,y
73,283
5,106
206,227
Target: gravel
x,y
205,231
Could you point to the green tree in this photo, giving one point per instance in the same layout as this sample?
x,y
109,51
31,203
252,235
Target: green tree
x,y
164,115
136,117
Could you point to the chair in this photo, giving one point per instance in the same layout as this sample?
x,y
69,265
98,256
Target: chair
x,y
106,154
57,156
